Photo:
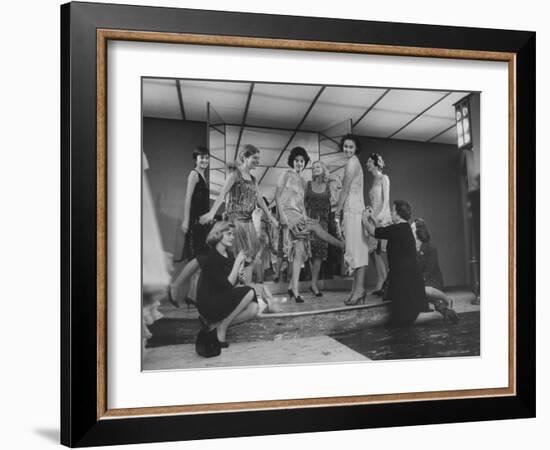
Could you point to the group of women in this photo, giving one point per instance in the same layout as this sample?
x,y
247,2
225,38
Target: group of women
x,y
226,251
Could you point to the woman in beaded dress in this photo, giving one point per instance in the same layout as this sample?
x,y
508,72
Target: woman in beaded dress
x,y
297,226
241,195
317,200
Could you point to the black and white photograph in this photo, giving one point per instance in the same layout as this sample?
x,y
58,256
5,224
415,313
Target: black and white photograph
x,y
287,223
275,225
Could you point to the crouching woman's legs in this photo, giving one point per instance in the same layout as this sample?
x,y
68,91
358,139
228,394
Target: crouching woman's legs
x,y
246,309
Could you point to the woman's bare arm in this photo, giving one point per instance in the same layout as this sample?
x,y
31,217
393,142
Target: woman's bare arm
x,y
229,182
192,181
351,171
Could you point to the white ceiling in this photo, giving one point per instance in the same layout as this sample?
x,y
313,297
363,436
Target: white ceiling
x,y
417,115
297,111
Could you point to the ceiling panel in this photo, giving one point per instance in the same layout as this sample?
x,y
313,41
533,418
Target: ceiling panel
x,y
408,100
227,98
160,99
397,108
339,103
423,128
449,137
382,123
280,105
440,117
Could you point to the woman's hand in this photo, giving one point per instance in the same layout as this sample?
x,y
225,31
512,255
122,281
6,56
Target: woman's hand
x,y
185,226
206,218
366,218
242,277
240,258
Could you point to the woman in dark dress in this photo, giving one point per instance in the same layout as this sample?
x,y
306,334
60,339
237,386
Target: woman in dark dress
x,y
220,301
431,272
405,283
317,201
196,204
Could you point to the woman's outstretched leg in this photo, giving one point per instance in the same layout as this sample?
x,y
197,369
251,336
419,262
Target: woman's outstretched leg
x,y
247,314
324,235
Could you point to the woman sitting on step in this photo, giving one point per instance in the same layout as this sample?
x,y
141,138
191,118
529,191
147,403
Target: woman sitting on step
x,y
219,298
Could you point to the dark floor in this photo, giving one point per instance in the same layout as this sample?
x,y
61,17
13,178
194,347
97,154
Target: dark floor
x,y
434,339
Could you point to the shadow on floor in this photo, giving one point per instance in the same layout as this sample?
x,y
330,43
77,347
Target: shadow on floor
x,y
50,434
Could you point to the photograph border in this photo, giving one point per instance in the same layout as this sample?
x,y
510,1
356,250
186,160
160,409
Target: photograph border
x,y
86,30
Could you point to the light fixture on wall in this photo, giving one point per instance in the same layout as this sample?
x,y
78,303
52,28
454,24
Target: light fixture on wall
x,y
463,124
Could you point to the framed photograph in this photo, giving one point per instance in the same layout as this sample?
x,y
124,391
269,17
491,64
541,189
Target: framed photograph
x,y
279,224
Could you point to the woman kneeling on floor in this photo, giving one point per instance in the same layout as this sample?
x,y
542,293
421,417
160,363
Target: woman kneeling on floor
x,y
405,283
220,302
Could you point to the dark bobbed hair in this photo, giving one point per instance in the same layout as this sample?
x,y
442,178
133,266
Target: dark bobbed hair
x,y
422,232
200,151
351,137
377,160
403,209
297,151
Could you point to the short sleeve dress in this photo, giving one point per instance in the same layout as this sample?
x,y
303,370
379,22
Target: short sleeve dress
x,y
216,296
405,284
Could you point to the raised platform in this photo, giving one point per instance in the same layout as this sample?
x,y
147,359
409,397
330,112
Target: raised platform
x,y
317,316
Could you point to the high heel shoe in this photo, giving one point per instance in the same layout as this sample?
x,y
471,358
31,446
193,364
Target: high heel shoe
x,y
317,294
223,344
356,301
448,313
297,298
170,298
